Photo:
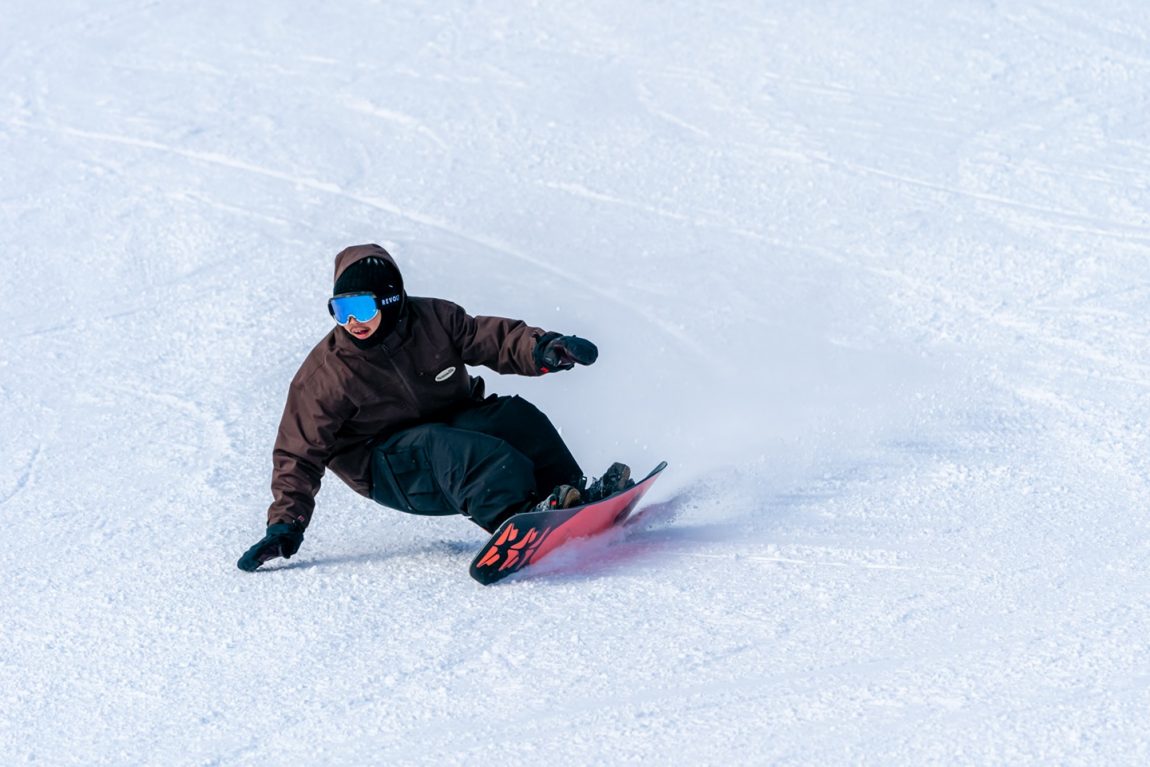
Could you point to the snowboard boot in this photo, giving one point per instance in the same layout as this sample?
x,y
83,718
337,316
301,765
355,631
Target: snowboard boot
x,y
562,497
616,478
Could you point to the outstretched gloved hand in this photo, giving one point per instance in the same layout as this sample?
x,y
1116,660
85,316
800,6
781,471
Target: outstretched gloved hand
x,y
556,352
282,540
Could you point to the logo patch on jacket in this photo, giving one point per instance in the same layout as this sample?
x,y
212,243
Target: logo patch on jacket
x,y
445,374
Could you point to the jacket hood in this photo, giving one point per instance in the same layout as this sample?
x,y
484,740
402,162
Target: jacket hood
x,y
350,255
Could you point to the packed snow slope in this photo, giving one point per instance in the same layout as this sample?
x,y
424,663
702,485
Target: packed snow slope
x,y
872,276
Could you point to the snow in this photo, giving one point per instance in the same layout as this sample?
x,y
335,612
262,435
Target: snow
x,y
873,277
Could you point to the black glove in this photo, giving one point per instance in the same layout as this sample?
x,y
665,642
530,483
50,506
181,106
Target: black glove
x,y
282,540
556,352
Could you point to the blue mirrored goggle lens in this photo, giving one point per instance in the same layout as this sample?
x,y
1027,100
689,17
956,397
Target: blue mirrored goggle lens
x,y
362,307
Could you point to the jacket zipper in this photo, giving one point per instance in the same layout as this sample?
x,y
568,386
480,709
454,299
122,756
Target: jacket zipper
x,y
402,378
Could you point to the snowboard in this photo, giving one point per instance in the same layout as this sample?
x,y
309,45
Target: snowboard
x,y
529,537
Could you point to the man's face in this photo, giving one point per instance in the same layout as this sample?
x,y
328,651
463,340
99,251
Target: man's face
x,y
362,330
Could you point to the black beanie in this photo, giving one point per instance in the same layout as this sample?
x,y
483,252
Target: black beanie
x,y
370,275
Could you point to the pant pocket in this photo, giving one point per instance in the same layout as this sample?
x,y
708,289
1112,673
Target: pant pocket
x,y
414,482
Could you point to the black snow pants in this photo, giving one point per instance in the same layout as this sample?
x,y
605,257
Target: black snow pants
x,y
486,463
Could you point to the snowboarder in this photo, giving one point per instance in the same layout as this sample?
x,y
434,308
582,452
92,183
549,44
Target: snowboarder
x,y
385,401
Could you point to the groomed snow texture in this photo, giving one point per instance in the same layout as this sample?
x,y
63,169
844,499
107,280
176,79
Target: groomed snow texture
x,y
874,277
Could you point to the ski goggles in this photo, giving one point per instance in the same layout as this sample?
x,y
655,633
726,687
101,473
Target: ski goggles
x,y
362,307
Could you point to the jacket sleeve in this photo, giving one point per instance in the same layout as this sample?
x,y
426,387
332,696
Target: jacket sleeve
x,y
502,344
302,450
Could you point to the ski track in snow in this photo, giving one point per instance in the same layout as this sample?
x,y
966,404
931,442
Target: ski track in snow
x,y
26,474
587,287
873,279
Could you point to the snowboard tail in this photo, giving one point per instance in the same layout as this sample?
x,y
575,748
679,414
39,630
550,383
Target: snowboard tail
x,y
529,537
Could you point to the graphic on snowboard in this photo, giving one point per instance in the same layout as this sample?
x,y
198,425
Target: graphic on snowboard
x,y
528,537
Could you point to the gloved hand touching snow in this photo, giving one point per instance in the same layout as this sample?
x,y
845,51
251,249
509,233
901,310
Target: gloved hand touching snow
x,y
283,539
556,352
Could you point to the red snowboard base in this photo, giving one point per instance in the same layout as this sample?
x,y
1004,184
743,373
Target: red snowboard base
x,y
529,537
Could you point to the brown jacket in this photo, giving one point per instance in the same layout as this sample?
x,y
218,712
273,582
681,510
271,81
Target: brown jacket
x,y
344,397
